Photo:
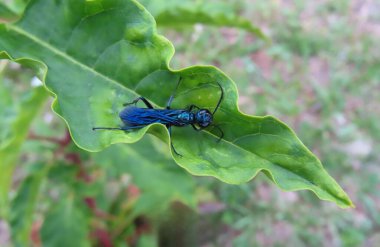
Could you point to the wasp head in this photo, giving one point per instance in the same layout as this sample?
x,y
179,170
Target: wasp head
x,y
203,118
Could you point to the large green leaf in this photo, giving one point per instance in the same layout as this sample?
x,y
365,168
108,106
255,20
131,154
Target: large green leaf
x,y
15,119
101,54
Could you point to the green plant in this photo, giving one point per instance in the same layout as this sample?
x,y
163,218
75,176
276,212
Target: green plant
x,y
92,68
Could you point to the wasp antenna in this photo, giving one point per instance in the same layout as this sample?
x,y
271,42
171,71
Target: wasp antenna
x,y
177,86
220,99
172,96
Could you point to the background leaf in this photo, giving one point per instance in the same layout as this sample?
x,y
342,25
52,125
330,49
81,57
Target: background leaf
x,y
6,14
16,117
92,77
152,171
16,6
174,13
24,205
64,225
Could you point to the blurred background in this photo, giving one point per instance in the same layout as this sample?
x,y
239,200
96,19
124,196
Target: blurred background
x,y
319,73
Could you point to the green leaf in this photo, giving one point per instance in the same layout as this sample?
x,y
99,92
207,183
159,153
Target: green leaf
x,y
176,13
15,119
95,67
64,225
23,205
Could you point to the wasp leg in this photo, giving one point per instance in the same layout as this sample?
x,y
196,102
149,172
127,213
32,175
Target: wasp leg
x,y
146,102
171,143
191,107
221,132
215,126
172,96
195,128
220,99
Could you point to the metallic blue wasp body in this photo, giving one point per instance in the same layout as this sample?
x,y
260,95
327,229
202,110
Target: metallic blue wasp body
x,y
136,117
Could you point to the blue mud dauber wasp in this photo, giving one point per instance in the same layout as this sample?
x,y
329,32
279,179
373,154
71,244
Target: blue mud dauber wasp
x,y
135,117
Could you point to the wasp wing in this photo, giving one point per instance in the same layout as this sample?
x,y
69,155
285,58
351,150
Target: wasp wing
x,y
135,116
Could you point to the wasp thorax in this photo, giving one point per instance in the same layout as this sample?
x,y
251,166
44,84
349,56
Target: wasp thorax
x,y
186,117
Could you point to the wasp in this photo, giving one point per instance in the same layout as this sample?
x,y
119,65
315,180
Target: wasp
x,y
134,117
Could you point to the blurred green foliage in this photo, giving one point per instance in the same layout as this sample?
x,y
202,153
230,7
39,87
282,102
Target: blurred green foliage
x,y
323,80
